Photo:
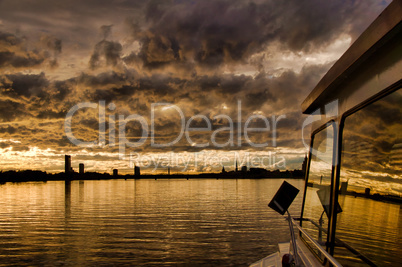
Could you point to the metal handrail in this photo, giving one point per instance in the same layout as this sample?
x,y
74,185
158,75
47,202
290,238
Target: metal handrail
x,y
318,246
341,243
292,235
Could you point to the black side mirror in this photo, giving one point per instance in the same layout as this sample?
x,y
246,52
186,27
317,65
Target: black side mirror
x,y
324,194
283,198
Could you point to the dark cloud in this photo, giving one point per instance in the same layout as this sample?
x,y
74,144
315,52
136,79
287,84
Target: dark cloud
x,y
52,43
9,110
133,59
54,46
8,39
223,31
305,25
20,148
4,144
257,99
223,84
372,137
106,53
14,52
205,56
104,79
157,51
50,114
106,31
211,32
27,85
62,90
11,59
8,129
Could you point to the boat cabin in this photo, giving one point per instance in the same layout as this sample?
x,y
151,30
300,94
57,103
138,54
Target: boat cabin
x,y
353,191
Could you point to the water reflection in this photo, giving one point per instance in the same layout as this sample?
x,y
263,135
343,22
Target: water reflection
x,y
376,231
67,199
164,222
370,176
81,191
372,147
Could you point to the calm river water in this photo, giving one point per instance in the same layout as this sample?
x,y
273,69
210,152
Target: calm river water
x,y
205,222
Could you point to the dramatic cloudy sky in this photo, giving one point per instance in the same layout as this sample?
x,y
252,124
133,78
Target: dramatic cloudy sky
x,y
215,59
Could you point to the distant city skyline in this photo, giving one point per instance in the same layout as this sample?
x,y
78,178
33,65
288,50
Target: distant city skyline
x,y
222,69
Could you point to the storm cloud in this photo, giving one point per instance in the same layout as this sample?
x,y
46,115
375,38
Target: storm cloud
x,y
207,58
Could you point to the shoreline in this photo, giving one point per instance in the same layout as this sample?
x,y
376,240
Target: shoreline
x,y
33,176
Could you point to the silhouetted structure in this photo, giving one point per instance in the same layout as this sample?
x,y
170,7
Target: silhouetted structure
x,y
244,171
81,168
367,191
115,172
236,167
344,188
137,171
259,172
304,165
223,169
67,164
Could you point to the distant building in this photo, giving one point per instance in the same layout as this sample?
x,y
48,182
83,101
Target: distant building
x,y
137,171
258,172
81,168
67,164
344,188
115,172
236,166
244,169
304,165
367,191
223,169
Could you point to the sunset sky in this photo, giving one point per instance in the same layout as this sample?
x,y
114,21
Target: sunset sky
x,y
223,61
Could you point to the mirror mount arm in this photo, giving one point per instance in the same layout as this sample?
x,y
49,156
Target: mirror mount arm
x,y
293,238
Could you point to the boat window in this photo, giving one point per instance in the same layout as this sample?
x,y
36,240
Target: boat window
x,y
317,196
371,185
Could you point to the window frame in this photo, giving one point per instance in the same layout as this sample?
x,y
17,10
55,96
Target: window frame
x,y
323,127
377,97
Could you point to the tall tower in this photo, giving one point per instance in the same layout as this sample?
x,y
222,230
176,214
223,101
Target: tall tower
x,y
137,171
81,168
67,164
236,165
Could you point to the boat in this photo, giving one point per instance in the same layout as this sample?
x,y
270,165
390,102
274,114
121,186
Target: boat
x,y
351,211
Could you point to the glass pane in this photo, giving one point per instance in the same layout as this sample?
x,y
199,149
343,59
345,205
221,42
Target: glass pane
x,y
371,184
315,213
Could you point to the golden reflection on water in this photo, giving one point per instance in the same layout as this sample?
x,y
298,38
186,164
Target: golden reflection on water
x,y
133,222
372,227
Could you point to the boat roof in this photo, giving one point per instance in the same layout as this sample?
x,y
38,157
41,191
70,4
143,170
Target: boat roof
x,y
385,27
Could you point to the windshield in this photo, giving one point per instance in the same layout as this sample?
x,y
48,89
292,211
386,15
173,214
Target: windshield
x,y
371,185
316,202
